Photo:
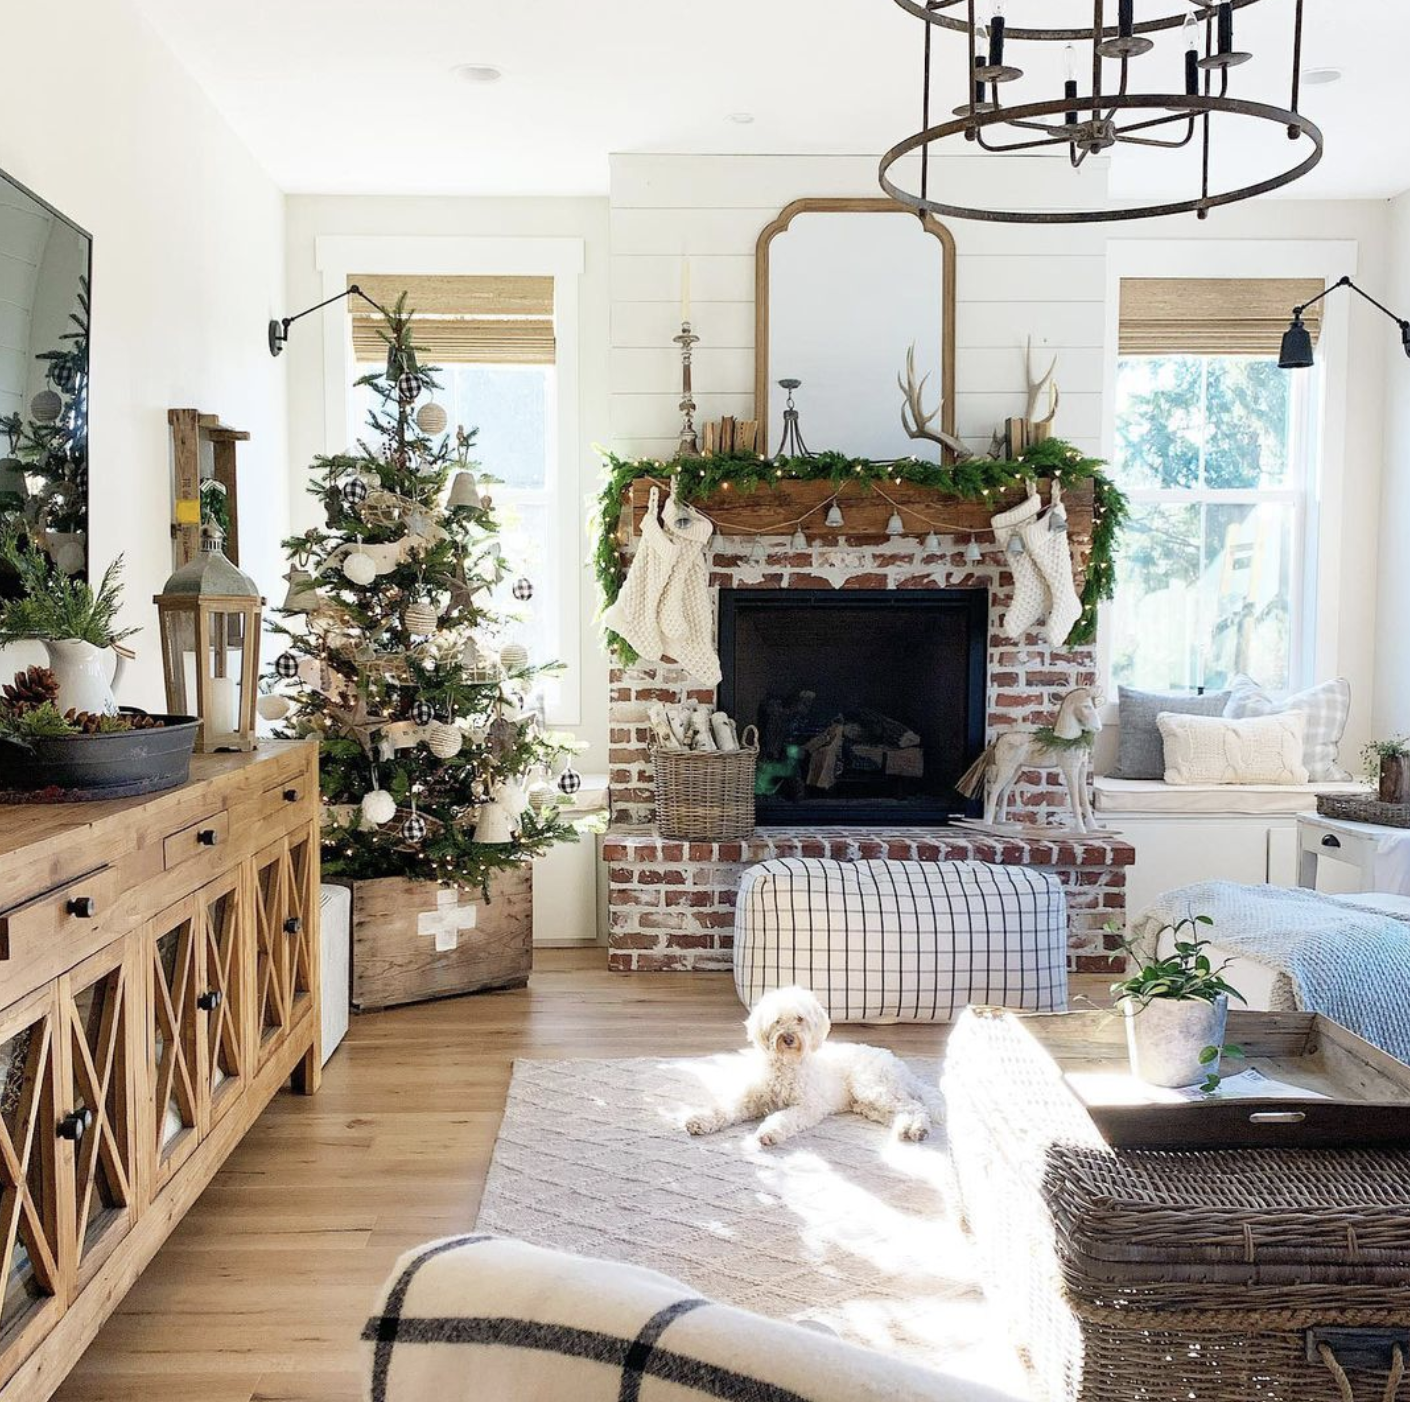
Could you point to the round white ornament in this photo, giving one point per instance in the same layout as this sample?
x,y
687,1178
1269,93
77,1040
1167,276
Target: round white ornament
x,y
378,807
360,568
421,618
431,418
444,740
274,706
514,657
70,558
311,672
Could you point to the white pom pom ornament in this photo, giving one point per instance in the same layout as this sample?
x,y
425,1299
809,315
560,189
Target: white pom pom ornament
x,y
360,567
378,807
274,706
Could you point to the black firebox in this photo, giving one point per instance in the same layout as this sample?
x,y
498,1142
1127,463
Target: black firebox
x,y
870,704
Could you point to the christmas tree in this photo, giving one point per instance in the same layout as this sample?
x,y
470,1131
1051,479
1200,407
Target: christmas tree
x,y
44,475
435,760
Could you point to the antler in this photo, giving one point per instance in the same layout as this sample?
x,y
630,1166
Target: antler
x,y
1037,386
916,421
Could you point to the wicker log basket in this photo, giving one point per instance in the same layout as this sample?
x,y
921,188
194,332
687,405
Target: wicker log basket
x,y
1351,808
706,795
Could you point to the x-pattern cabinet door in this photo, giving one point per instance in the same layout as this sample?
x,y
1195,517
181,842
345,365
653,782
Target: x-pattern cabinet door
x,y
34,1258
221,1003
284,933
98,1110
173,1047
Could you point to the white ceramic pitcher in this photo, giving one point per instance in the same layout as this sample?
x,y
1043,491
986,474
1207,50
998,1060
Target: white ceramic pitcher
x,y
82,677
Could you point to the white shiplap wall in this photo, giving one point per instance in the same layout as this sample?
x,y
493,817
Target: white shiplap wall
x,y
1048,280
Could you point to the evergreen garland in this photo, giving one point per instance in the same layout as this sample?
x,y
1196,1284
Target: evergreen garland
x,y
971,480
376,671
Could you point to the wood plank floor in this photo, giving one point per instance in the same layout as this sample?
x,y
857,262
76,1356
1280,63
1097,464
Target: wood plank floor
x,y
260,1294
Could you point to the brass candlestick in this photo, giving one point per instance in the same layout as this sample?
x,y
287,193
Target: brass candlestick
x,y
689,445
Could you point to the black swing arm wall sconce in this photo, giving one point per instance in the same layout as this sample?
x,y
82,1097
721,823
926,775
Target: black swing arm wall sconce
x,y
1296,353
279,328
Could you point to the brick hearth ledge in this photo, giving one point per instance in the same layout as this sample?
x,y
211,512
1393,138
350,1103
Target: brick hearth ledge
x,y
672,903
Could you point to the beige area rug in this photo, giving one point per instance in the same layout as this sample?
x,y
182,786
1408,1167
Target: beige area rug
x,y
841,1225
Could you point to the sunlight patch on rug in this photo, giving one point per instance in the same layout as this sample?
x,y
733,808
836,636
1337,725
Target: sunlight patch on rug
x,y
842,1225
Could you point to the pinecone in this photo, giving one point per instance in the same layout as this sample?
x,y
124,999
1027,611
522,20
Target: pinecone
x,y
31,688
91,724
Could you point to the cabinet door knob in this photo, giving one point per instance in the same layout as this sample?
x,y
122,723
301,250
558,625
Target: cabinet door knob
x,y
291,795
207,837
210,1000
75,1124
293,925
1331,840
83,907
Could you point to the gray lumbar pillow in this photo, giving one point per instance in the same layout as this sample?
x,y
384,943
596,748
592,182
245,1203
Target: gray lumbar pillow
x,y
1141,754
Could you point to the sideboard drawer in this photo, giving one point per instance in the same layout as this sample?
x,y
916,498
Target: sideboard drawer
x,y
207,837
287,804
70,921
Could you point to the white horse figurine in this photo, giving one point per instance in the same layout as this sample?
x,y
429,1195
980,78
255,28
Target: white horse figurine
x,y
1066,746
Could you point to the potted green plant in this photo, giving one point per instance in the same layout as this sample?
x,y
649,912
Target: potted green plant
x,y
1387,764
1176,1010
74,622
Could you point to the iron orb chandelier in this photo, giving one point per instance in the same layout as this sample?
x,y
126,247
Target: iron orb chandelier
x,y
1110,113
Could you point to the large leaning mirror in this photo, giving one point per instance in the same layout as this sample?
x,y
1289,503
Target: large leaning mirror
x,y
45,262
843,287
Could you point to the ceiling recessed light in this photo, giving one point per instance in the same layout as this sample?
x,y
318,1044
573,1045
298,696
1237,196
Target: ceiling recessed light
x,y
742,119
478,73
1320,77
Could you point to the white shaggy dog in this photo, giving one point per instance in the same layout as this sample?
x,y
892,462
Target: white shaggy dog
x,y
795,1078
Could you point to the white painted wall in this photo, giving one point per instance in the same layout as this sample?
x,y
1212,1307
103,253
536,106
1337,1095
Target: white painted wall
x,y
188,266
1049,280
311,218
1392,711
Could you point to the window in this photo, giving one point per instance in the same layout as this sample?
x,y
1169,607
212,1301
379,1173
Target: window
x,y
492,342
1216,452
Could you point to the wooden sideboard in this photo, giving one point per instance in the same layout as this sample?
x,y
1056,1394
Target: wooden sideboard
x,y
159,977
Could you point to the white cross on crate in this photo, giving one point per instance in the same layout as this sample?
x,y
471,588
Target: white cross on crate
x,y
447,920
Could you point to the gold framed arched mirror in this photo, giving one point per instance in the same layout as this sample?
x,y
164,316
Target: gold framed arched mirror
x,y
842,288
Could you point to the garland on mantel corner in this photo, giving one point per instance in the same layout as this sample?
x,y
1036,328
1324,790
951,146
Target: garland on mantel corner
x,y
971,480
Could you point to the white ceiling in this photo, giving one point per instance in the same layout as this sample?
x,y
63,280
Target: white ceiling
x,y
358,96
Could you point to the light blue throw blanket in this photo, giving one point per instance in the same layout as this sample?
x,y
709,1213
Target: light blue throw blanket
x,y
1349,962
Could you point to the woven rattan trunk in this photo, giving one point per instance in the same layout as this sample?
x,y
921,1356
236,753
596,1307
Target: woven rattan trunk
x,y
1145,1276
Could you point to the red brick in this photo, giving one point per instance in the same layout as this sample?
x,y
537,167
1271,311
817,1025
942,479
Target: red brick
x,y
681,940
635,940
690,898
713,919
658,876
627,895
865,581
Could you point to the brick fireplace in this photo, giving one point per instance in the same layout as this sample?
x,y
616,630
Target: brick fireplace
x,y
672,903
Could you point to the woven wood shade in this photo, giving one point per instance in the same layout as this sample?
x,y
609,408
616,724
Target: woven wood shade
x,y
1213,316
462,320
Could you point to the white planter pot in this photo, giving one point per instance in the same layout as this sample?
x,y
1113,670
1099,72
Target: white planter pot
x,y
1166,1036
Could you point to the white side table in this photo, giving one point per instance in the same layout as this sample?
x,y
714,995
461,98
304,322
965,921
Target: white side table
x,y
1369,847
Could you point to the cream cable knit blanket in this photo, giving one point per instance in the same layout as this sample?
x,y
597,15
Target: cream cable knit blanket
x,y
1351,963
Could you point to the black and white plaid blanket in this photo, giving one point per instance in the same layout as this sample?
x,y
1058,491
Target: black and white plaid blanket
x,y
482,1318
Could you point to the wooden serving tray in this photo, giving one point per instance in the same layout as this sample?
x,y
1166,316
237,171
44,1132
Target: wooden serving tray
x,y
1366,1090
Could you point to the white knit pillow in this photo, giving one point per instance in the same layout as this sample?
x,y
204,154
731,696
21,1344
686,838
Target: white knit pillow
x,y
1325,706
1216,750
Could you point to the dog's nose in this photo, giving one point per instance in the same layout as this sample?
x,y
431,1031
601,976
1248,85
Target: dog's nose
x,y
788,1039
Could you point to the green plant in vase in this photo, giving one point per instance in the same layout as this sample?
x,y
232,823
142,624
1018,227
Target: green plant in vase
x,y
1176,1008
1386,763
74,622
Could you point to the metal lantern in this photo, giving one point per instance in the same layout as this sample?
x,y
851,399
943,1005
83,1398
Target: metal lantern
x,y
209,614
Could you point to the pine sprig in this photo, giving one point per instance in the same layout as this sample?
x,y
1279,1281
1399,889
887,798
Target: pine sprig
x,y
57,606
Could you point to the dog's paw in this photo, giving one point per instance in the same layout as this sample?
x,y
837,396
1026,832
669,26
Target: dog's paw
x,y
913,1127
700,1124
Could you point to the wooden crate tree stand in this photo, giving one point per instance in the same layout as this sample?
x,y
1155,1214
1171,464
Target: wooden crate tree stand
x,y
414,940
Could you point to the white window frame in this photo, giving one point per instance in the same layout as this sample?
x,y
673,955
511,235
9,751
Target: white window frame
x,y
1314,650
339,256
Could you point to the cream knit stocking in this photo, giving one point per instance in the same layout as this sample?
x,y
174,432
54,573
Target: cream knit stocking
x,y
1030,595
1050,549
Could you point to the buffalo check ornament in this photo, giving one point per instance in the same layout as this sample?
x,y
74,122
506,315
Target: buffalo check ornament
x,y
447,920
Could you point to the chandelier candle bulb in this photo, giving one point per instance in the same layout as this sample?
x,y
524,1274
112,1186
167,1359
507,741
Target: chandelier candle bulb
x,y
1226,28
996,36
1125,18
1192,58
